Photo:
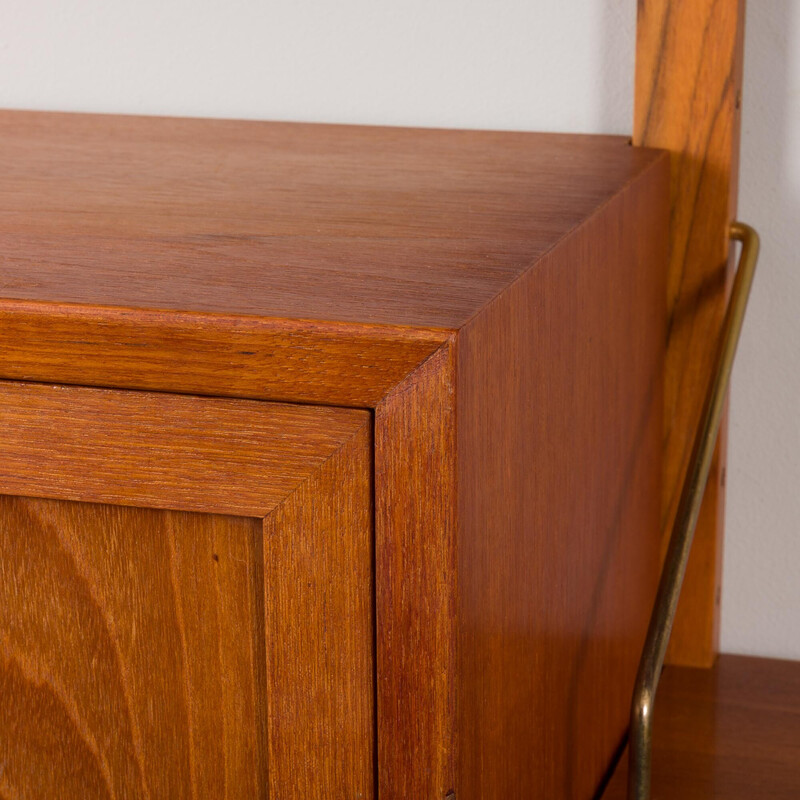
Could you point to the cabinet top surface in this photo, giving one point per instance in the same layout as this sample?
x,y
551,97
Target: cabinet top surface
x,y
390,226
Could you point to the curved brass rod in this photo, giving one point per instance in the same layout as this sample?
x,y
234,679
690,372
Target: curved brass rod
x,y
669,587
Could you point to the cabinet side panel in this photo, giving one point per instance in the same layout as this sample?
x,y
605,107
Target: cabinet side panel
x,y
415,527
130,643
320,632
559,434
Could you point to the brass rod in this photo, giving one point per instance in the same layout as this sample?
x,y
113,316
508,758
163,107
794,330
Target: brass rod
x,y
680,543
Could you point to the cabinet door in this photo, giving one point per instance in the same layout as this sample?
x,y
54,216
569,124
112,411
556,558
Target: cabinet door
x,y
185,597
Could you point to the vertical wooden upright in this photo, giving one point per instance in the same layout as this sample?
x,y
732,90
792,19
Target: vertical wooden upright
x,y
688,99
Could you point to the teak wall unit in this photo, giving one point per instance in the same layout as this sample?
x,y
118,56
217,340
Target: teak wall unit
x,y
331,457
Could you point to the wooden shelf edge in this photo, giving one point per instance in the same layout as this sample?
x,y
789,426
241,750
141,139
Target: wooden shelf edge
x,y
730,732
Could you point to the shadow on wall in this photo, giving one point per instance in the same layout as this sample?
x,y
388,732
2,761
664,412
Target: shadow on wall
x,y
761,599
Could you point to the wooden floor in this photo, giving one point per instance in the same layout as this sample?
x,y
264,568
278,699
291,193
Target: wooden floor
x,y
729,732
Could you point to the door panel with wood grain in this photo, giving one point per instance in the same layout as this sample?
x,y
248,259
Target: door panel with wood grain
x,y
222,647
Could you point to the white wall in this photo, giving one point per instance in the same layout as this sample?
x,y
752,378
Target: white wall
x,y
537,64
761,594
517,64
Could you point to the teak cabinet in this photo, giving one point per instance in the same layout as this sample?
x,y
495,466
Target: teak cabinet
x,y
330,457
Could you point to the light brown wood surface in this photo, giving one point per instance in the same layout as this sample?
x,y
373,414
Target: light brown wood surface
x,y
559,409
513,594
391,226
164,653
729,733
306,263
320,629
452,282
129,664
194,353
163,450
687,100
416,581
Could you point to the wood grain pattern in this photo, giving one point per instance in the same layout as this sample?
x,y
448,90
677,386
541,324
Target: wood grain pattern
x,y
391,226
416,584
322,727
166,653
517,523
688,98
304,263
163,451
559,409
341,265
129,650
193,353
731,732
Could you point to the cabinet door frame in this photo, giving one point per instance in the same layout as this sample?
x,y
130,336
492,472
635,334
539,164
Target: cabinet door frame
x,y
305,473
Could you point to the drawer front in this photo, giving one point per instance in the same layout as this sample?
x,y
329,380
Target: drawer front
x,y
185,597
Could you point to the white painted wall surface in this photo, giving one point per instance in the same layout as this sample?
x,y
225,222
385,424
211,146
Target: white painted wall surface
x,y
761,577
509,64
